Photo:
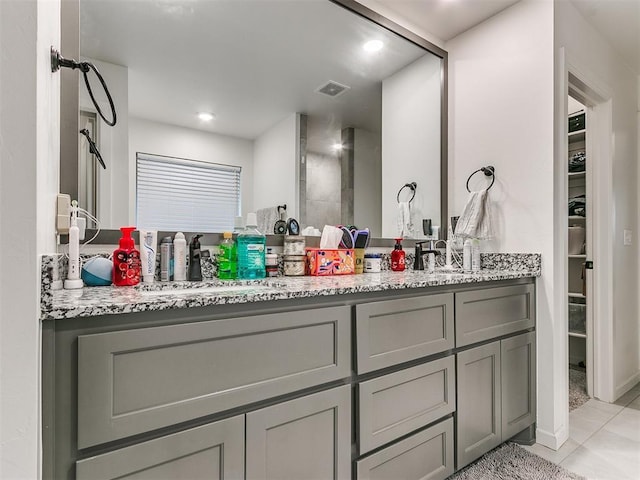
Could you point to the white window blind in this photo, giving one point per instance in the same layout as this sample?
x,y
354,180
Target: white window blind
x,y
174,194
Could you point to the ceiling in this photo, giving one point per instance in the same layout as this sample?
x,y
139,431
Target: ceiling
x,y
252,63
444,18
618,21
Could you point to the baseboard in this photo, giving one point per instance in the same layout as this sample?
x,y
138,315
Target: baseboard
x,y
552,440
627,385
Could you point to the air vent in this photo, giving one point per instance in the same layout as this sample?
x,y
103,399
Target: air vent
x,y
332,89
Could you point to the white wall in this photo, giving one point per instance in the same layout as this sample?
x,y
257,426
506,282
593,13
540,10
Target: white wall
x,y
411,132
29,126
275,164
367,181
161,139
587,49
113,199
501,114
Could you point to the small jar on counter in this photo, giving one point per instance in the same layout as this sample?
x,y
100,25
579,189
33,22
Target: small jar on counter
x,y
271,263
372,262
294,265
294,245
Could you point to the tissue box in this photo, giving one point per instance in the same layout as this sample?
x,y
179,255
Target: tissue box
x,y
324,261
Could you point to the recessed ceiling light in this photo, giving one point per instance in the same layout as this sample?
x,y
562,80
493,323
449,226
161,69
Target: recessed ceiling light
x,y
206,116
373,46
337,147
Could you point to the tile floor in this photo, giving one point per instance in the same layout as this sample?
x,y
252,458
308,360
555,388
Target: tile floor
x,y
604,440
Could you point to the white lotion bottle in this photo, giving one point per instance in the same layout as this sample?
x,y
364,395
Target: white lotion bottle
x,y
148,252
466,255
475,255
180,257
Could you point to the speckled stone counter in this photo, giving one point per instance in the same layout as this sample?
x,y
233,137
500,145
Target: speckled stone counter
x,y
93,301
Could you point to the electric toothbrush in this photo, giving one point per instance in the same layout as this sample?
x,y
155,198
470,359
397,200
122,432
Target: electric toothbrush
x,y
73,281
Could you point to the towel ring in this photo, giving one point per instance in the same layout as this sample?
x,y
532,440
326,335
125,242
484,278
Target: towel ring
x,y
489,171
412,186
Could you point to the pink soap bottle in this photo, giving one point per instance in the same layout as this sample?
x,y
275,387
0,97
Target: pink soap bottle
x,y
126,260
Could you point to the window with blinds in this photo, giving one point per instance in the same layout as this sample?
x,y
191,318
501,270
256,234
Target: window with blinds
x,y
174,194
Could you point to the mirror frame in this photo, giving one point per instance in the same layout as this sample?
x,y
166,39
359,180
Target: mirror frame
x,y
69,103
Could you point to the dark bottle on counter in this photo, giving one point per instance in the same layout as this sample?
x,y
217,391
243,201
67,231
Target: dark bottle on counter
x,y
195,269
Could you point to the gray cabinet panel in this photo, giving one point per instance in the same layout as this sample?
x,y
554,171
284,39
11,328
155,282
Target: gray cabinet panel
x,y
493,312
134,381
479,425
396,331
214,451
427,455
305,438
398,403
518,358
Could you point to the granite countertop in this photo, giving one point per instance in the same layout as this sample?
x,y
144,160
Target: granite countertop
x,y
93,301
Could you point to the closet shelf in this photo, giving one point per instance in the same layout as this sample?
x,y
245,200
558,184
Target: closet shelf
x,y
577,335
576,175
576,217
578,256
577,295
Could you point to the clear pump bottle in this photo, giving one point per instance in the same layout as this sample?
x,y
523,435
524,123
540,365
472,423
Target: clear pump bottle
x,y
251,250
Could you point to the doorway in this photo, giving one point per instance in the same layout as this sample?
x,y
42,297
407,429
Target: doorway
x,y
579,253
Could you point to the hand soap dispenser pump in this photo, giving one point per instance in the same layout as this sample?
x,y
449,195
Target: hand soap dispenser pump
x,y
418,262
195,269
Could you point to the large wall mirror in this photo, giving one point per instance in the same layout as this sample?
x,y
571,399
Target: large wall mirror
x,y
314,118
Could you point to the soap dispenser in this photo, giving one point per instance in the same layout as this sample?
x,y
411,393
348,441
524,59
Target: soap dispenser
x,y
126,260
195,269
418,262
397,257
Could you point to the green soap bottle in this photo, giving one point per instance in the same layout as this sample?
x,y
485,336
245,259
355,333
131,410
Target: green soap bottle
x,y
227,258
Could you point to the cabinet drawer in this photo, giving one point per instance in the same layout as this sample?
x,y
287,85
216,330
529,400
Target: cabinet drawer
x,y
492,312
134,381
398,403
427,455
396,331
214,451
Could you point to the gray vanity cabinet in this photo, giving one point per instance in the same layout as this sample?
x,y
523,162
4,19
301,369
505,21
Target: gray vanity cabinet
x,y
518,367
211,366
426,455
305,438
214,451
488,313
398,403
396,331
496,394
479,425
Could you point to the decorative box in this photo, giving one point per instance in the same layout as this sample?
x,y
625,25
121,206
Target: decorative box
x,y
324,261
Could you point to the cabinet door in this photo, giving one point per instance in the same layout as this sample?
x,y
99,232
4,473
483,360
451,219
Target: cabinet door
x,y
426,455
133,381
214,451
396,331
305,438
518,361
479,424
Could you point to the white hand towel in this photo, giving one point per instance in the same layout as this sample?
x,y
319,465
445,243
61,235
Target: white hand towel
x,y
405,227
267,218
475,221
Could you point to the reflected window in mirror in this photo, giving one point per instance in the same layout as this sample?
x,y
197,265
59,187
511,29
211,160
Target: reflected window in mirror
x,y
186,195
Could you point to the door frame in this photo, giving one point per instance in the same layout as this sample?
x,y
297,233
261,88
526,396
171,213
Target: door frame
x,y
587,88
